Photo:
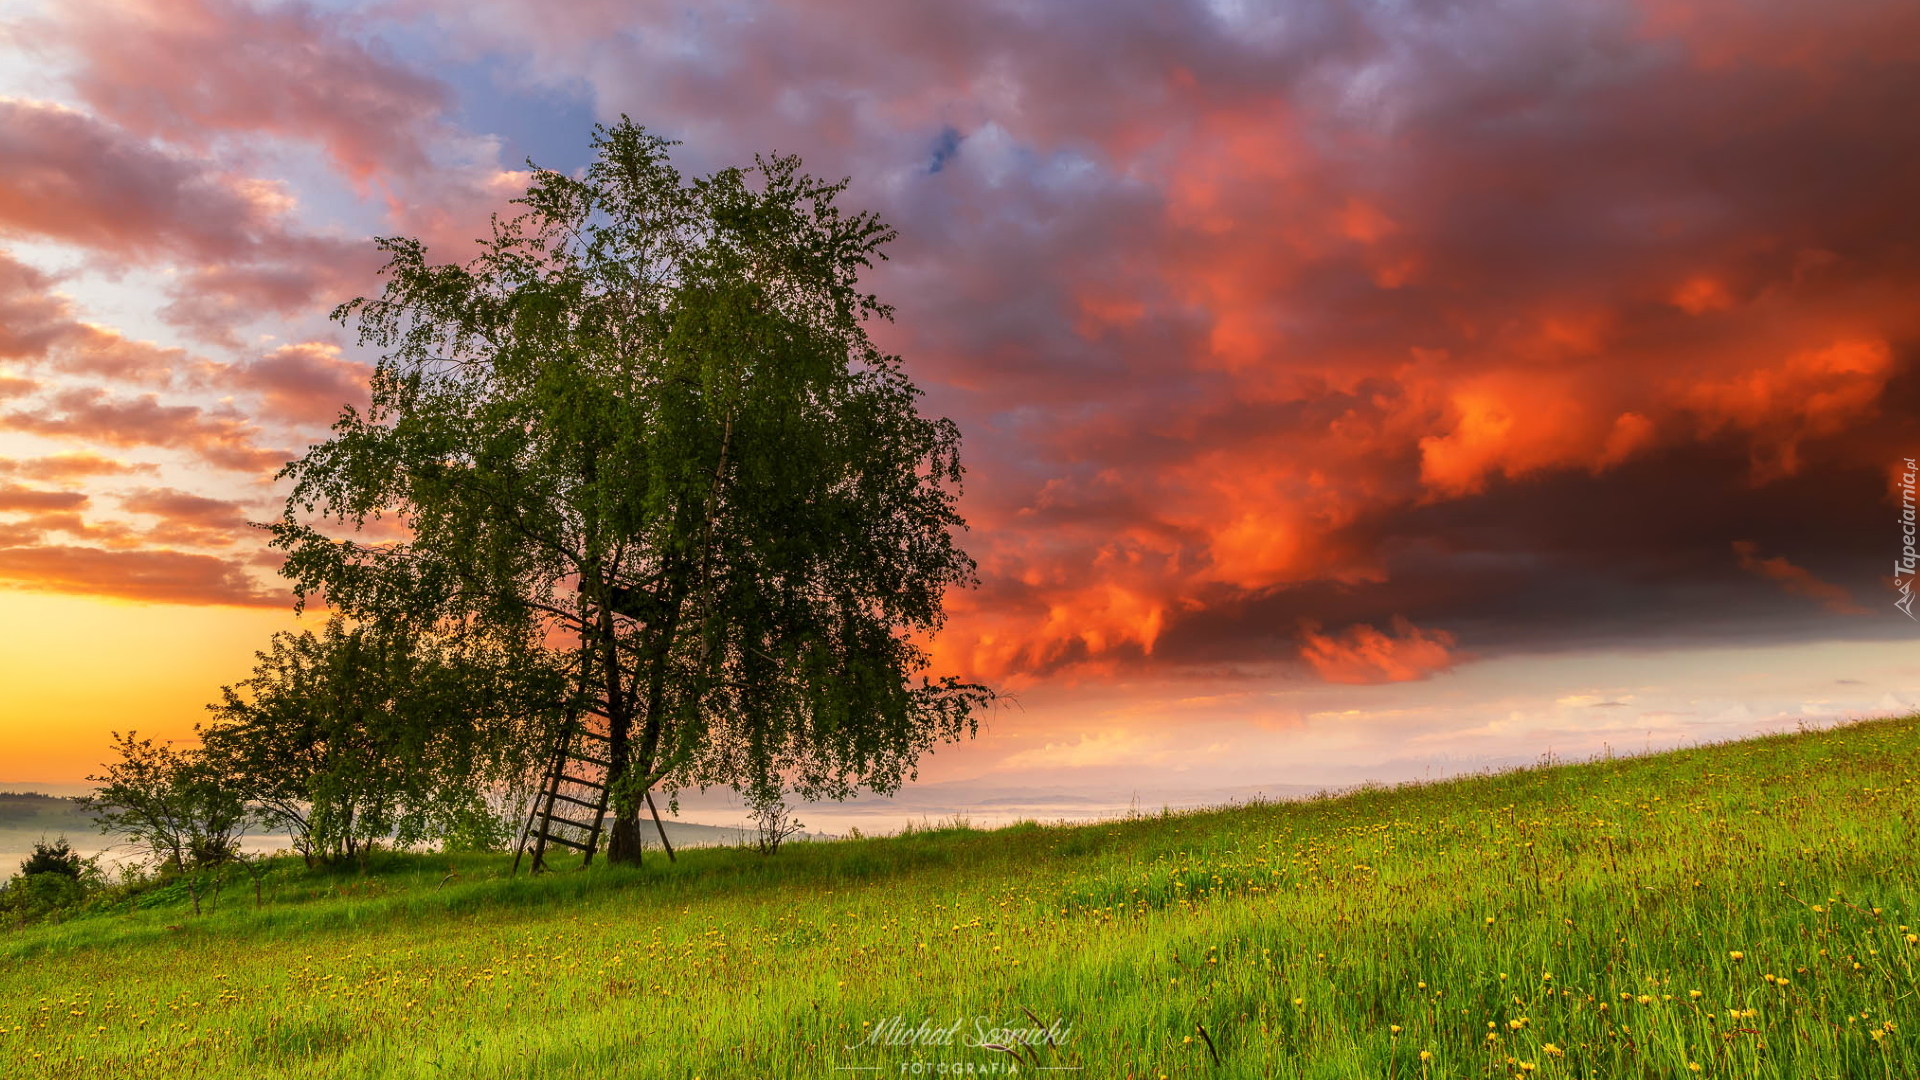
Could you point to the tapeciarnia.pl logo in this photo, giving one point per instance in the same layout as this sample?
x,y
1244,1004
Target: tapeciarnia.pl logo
x,y
1904,567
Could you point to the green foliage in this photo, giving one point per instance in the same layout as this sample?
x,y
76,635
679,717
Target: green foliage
x,y
645,430
1336,937
364,734
178,805
53,878
36,896
54,857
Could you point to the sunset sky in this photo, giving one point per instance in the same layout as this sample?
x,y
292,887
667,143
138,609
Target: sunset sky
x,y
1350,390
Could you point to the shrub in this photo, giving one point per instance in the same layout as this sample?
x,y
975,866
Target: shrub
x,y
53,878
57,857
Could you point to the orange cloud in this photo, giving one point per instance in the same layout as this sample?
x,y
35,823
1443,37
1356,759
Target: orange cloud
x,y
71,466
1795,579
1813,393
304,383
15,497
167,577
188,520
226,441
1700,295
1364,655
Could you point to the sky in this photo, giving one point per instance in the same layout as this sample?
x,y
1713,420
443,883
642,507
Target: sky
x,y
1350,390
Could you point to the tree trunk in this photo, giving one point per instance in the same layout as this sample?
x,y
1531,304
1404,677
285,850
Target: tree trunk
x,y
624,845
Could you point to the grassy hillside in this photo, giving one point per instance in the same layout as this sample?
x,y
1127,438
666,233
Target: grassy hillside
x,y
1738,910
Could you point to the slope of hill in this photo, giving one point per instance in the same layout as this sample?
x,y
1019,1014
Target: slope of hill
x,y
1737,910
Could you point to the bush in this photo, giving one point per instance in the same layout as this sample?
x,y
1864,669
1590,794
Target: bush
x,y
53,878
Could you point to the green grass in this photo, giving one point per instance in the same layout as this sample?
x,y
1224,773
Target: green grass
x,y
1739,907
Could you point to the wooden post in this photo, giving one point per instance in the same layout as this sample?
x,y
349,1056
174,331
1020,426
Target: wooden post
x,y
656,824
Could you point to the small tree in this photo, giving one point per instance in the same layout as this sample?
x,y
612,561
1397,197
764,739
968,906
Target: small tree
x,y
57,857
179,806
773,819
359,735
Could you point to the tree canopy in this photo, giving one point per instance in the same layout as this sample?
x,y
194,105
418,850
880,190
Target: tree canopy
x,y
645,431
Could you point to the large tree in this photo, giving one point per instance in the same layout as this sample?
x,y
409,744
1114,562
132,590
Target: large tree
x,y
646,427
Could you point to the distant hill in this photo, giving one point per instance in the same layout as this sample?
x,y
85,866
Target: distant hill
x,y
27,816
32,811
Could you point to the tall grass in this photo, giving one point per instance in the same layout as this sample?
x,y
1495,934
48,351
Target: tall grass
x,y
1735,910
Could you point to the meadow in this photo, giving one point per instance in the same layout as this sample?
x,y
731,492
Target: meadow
x,y
1746,909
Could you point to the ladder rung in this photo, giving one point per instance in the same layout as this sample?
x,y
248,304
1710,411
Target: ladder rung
x,y
563,841
576,802
593,735
589,760
594,784
569,822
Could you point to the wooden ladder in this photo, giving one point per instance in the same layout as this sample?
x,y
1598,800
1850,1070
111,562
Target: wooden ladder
x,y
574,779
